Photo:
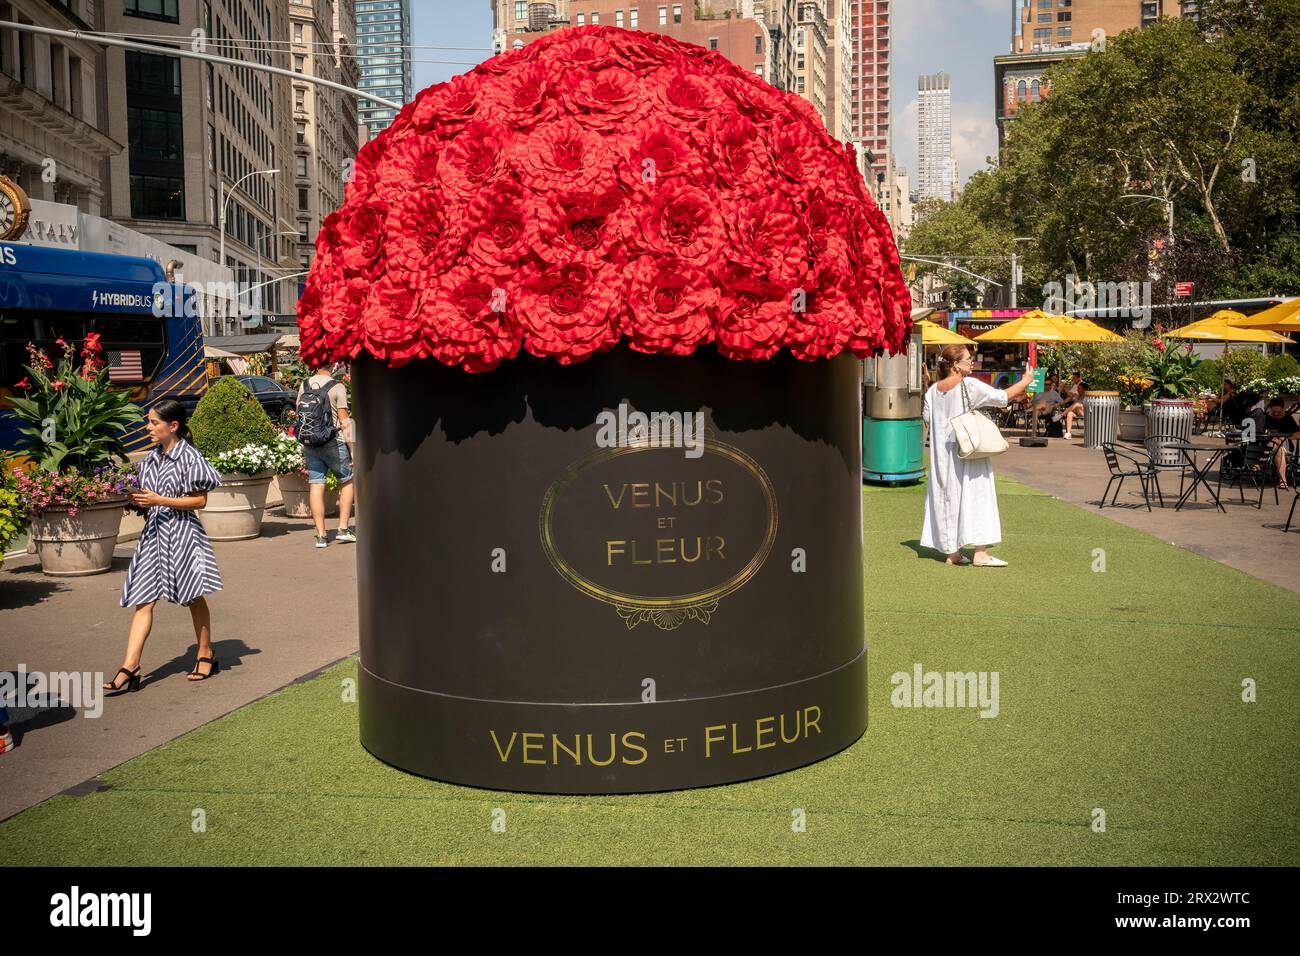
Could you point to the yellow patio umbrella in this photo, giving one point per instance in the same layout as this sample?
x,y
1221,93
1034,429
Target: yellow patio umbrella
x,y
935,334
1220,327
1279,318
1039,326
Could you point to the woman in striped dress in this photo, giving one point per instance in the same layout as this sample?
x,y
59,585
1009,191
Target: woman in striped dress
x,y
173,559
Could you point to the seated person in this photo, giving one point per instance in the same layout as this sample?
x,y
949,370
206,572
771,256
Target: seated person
x,y
1050,396
1071,407
1278,422
1232,406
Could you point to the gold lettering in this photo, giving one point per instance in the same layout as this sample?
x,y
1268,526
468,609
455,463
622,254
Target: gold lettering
x,y
592,757
670,494
660,556
758,733
641,489
710,740
575,753
735,748
699,495
715,548
504,756
687,558
810,722
634,558
528,744
710,484
627,743
610,551
616,501
784,738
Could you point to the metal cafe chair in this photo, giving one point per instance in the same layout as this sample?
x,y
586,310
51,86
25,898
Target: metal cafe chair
x,y
1131,467
1257,465
1164,458
1291,514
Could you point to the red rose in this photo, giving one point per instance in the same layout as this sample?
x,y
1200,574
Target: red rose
x,y
687,96
753,314
475,158
560,156
821,316
424,232
521,98
656,153
588,48
570,311
412,167
602,98
472,320
393,327
767,233
669,303
681,220
799,157
498,223
444,107
752,97
582,226
740,158
361,236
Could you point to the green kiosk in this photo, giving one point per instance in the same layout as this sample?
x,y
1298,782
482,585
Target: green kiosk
x,y
892,436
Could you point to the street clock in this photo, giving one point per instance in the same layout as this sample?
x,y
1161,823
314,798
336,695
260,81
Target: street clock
x,y
14,209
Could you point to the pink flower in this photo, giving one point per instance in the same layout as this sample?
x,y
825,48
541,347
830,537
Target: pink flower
x,y
1160,345
57,384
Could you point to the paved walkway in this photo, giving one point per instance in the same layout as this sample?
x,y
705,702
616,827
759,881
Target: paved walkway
x,y
1247,539
287,610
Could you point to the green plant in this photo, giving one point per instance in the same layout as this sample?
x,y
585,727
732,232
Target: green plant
x,y
71,418
1208,375
43,489
1134,388
256,364
1170,370
291,376
1240,365
1280,367
229,417
1061,358
1102,363
13,516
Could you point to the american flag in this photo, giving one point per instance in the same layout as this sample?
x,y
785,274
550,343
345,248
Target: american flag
x,y
124,366
1184,289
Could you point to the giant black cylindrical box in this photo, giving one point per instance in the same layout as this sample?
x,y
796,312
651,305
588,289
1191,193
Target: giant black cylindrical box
x,y
545,609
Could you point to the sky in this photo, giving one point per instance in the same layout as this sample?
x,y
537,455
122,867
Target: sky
x,y
959,37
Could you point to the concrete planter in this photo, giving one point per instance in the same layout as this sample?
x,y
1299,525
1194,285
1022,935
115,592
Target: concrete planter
x,y
75,545
295,490
234,511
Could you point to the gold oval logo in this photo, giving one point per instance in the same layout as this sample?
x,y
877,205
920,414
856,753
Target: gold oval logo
x,y
653,532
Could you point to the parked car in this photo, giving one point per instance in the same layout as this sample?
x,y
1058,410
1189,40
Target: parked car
x,y
279,402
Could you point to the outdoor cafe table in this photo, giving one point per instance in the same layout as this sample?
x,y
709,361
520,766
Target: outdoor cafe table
x,y
1200,475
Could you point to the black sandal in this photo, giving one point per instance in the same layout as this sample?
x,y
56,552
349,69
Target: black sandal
x,y
216,666
132,682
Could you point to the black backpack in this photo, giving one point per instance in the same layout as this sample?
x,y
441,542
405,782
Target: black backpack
x,y
316,415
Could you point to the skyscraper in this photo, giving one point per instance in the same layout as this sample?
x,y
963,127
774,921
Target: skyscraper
x,y
383,52
1041,25
870,87
934,137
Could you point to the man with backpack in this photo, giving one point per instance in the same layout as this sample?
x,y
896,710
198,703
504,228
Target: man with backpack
x,y
325,432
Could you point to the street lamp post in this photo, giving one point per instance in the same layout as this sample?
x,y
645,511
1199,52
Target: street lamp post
x,y
258,246
1015,278
224,195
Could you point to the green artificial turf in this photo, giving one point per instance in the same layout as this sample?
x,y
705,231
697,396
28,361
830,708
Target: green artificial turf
x,y
1119,690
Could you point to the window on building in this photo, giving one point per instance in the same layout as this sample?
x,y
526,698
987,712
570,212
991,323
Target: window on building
x,y
634,18
618,18
713,43
301,135
297,33
300,167
302,230
595,16
1022,91
157,197
521,9
154,74
298,63
300,98
663,16
677,13
154,134
582,19
1033,91
152,9
799,61
758,43
302,198
212,147
74,86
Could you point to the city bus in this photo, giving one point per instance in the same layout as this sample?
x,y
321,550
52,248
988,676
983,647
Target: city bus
x,y
151,349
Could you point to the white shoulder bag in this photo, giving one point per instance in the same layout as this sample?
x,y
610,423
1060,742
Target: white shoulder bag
x,y
976,435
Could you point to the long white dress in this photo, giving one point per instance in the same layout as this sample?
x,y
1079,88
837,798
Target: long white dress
x,y
961,503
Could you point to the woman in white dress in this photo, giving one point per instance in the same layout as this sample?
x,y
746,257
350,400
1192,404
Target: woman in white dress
x,y
961,504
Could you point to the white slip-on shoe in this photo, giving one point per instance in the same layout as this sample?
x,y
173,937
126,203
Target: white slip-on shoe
x,y
992,562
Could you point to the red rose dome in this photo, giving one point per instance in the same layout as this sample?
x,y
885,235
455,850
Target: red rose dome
x,y
599,186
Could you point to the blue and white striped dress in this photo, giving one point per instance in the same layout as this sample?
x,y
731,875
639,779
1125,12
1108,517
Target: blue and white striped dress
x,y
173,559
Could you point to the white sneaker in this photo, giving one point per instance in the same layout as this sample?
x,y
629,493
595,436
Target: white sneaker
x,y
1067,436
992,562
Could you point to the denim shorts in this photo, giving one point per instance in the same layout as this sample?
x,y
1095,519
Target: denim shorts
x,y
331,456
